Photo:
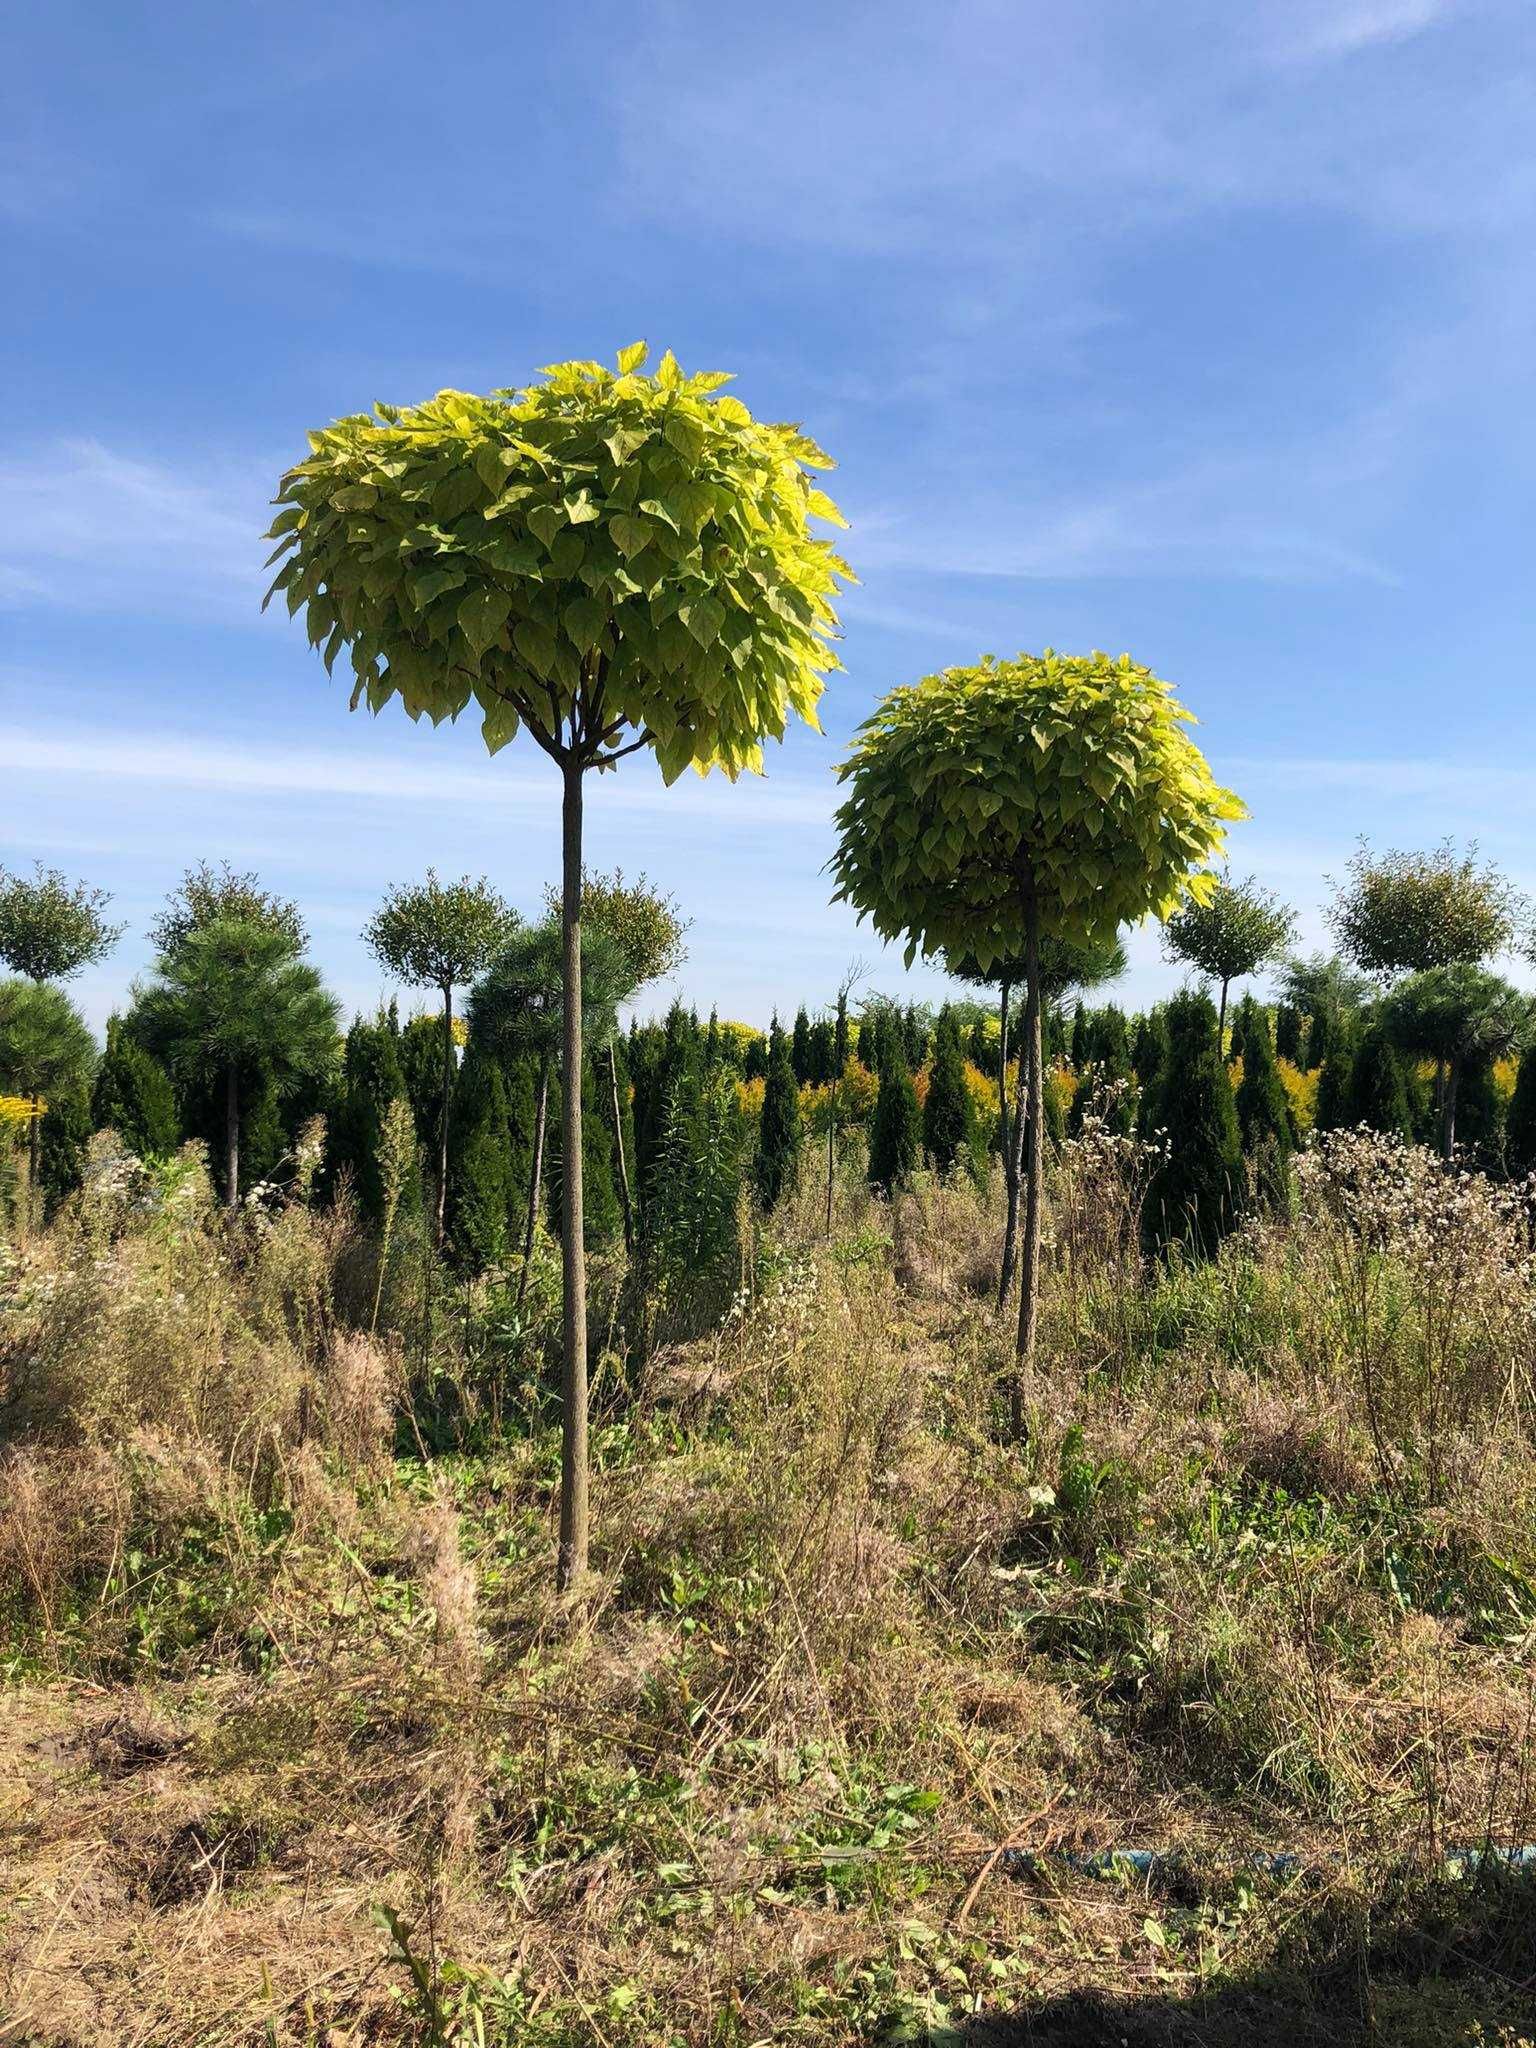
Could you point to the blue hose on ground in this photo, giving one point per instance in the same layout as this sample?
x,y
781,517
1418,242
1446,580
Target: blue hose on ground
x,y
1273,1863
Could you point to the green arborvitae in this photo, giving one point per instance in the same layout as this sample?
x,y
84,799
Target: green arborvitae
x,y
134,1097
914,1037
1149,1056
419,1051
978,1047
1288,1034
800,1046
1520,1125
64,1135
1077,1042
823,1050
895,1136
1239,1026
1335,1088
603,1214
370,1080
1378,1092
484,1193
1480,1116
1195,1198
754,1061
1263,1113
949,1114
778,1143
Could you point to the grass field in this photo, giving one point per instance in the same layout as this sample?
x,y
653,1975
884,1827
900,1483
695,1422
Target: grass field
x,y
299,1746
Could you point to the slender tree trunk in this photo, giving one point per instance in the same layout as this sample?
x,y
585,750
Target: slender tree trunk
x,y
831,1150
1005,1147
618,1146
1448,1113
231,1139
1034,1175
442,1121
1015,1180
573,1385
34,1209
535,1176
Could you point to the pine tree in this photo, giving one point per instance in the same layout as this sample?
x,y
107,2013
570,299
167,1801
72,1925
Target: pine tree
x,y
895,1135
1195,1198
1520,1127
1378,1094
134,1097
949,1114
1263,1113
778,1143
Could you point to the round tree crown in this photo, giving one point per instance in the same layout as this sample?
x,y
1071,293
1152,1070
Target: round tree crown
x,y
1067,781
599,556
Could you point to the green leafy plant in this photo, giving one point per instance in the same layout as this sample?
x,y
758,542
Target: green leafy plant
x,y
993,807
611,561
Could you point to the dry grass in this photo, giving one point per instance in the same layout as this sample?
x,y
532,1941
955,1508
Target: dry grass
x,y
845,1644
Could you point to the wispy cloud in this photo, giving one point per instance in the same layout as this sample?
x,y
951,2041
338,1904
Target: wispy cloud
x,y
166,761
88,527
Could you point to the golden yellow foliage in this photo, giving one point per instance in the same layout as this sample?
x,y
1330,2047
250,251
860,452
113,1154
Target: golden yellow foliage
x,y
19,1109
1301,1092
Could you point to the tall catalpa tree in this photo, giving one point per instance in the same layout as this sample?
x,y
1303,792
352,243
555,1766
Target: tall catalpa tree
x,y
995,807
607,561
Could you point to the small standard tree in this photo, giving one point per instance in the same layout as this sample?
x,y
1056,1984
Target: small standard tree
x,y
990,808
1234,931
647,931
232,999
440,935
608,561
1457,1015
51,928
1404,913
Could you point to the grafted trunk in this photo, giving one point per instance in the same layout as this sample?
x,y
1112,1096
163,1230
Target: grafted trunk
x,y
573,1382
1448,1110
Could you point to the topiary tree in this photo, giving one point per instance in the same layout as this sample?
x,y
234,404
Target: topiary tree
x,y
212,895
896,1129
440,935
46,1052
232,1000
50,928
608,561
1455,1015
778,1140
1195,1198
949,1114
1232,933
1404,913
991,808
517,1010
647,932
134,1097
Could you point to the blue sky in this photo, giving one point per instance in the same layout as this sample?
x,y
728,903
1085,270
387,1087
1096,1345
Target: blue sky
x,y
1203,330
